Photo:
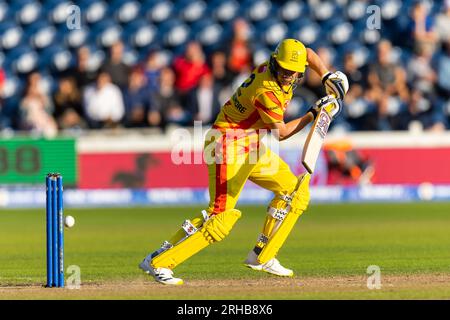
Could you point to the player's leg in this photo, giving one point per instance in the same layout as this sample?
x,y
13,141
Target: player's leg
x,y
227,177
291,197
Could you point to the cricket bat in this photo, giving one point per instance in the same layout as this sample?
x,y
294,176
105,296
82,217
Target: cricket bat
x,y
315,138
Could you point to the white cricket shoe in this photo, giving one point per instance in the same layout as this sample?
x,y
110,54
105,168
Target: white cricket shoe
x,y
162,275
272,266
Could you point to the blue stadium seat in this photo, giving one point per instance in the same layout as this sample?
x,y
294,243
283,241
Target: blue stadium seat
x,y
271,31
261,53
130,55
105,32
4,11
208,33
257,10
26,11
13,86
93,11
97,56
55,59
292,11
11,35
74,38
361,53
323,11
124,11
12,93
223,10
174,33
41,34
140,33
391,9
57,11
22,59
356,11
338,30
191,10
158,11
367,36
165,56
305,30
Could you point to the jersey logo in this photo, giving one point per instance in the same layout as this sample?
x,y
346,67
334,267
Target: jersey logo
x,y
238,105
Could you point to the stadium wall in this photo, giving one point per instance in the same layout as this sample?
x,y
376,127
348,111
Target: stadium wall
x,y
137,169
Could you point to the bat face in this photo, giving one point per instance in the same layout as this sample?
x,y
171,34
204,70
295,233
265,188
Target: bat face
x,y
314,140
323,123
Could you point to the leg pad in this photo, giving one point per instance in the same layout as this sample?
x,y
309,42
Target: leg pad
x,y
213,230
283,216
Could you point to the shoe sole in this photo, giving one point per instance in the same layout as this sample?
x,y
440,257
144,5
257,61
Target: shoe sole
x,y
147,271
253,267
258,268
179,283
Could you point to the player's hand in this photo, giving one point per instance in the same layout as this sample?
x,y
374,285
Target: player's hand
x,y
332,105
336,83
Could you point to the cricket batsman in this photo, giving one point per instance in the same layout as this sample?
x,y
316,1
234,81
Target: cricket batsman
x,y
234,154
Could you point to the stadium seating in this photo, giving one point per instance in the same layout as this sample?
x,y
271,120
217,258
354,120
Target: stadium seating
x,y
34,34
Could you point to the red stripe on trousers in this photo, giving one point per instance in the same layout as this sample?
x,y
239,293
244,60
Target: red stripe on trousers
x,y
220,199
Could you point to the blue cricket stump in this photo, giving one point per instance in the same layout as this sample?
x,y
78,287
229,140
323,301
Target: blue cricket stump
x,y
55,230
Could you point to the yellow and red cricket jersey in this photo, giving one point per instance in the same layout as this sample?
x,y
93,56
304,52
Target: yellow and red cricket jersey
x,y
257,102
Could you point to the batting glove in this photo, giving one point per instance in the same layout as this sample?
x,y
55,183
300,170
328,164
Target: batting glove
x,y
332,105
336,83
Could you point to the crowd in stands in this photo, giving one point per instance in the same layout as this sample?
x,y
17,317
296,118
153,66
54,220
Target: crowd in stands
x,y
386,93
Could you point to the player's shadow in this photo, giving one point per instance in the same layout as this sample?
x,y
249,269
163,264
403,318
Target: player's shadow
x,y
136,178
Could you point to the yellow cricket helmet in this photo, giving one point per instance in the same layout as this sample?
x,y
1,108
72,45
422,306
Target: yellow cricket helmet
x,y
291,55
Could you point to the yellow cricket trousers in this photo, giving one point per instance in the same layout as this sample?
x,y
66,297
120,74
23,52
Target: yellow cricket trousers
x,y
234,158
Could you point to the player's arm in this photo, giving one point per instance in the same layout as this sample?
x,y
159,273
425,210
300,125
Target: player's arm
x,y
336,83
271,112
315,63
282,130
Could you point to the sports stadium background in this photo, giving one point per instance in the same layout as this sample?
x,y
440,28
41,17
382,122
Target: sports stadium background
x,y
95,89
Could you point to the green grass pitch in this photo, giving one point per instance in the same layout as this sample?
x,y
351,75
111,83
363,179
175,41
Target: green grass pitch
x,y
329,249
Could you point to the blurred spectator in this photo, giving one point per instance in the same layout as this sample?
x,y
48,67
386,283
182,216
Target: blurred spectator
x,y
240,52
423,112
443,71
189,68
220,72
84,73
422,25
420,72
356,77
314,81
68,110
103,103
36,108
136,99
153,67
114,65
165,104
361,113
204,101
223,78
346,165
387,88
443,22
